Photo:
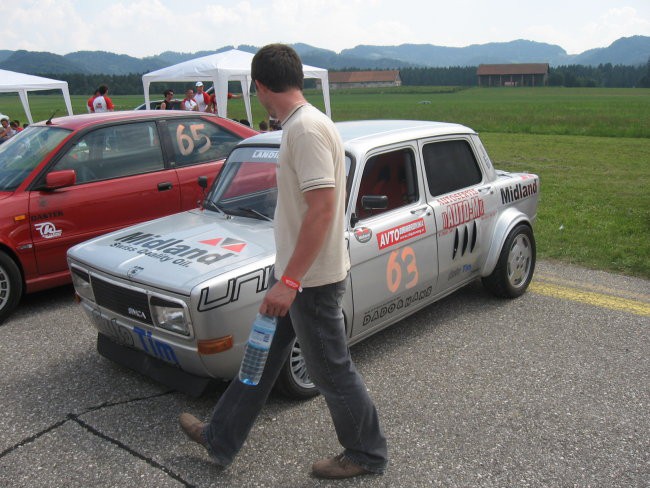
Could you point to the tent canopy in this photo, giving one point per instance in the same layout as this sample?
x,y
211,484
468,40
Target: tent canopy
x,y
220,68
10,81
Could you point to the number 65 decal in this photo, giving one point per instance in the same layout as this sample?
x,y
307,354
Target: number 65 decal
x,y
399,260
186,143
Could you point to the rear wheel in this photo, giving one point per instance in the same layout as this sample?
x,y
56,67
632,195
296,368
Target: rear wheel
x,y
516,264
11,287
294,381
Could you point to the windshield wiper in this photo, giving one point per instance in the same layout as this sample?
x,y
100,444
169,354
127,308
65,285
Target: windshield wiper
x,y
257,213
210,205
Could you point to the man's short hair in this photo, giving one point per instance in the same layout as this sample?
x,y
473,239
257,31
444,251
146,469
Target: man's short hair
x,y
102,89
278,67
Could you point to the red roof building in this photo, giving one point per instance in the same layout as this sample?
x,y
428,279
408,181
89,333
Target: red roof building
x,y
528,74
363,79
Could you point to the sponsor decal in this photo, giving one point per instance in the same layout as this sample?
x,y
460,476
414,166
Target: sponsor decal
x,y
229,292
265,154
463,211
401,233
155,347
516,192
111,328
176,251
46,216
48,230
395,305
466,268
363,234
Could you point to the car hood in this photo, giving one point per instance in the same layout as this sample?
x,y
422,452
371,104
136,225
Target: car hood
x,y
180,251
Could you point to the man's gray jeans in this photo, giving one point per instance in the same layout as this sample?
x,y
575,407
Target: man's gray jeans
x,y
317,317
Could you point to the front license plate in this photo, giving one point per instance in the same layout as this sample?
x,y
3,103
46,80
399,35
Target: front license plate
x,y
136,338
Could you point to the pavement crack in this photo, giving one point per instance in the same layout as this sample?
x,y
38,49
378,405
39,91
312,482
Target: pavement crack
x,y
75,417
133,452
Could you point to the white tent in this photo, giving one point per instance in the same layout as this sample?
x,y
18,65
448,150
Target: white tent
x,y
10,81
220,68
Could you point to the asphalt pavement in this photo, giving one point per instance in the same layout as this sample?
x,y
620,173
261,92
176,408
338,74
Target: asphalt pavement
x,y
548,390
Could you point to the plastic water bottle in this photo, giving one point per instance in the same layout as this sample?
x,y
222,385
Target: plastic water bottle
x,y
257,349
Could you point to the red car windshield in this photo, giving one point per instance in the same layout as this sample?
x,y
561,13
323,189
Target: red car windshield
x,y
24,151
246,185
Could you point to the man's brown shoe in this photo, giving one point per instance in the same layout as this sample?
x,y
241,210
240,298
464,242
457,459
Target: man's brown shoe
x,y
337,467
193,428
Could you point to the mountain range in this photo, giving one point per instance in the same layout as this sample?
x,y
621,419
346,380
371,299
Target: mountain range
x,y
629,51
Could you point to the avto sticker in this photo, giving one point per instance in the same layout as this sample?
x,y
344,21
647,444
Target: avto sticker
x,y
48,230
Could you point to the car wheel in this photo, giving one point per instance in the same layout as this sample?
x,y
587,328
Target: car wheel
x,y
294,381
11,287
515,266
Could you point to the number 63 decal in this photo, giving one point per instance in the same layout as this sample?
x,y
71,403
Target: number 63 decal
x,y
402,263
186,143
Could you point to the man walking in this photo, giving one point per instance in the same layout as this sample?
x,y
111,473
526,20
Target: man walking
x,y
310,278
101,103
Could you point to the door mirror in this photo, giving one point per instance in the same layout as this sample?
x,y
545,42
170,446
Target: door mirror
x,y
374,202
60,179
203,182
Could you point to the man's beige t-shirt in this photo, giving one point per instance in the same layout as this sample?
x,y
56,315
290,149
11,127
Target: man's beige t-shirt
x,y
311,157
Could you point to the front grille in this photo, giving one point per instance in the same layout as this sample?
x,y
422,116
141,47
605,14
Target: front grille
x,y
124,301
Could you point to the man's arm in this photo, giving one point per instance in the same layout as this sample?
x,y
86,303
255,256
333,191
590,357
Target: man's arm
x,y
313,231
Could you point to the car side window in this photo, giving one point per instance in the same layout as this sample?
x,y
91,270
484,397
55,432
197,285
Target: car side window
x,y
450,166
114,152
196,141
389,177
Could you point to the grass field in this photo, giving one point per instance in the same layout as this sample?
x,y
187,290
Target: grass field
x,y
591,148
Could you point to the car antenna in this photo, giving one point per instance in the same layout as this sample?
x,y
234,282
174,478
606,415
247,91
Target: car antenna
x,y
49,121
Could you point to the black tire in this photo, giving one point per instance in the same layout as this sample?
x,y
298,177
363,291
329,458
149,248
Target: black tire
x,y
11,286
516,264
293,381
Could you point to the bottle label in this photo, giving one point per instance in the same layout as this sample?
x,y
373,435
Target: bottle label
x,y
261,337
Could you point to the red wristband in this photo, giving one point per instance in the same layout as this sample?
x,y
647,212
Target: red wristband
x,y
293,284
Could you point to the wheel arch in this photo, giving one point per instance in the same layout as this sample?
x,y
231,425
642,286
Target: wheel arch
x,y
506,222
12,255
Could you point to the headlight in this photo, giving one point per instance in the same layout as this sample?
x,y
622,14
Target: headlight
x,y
82,286
169,315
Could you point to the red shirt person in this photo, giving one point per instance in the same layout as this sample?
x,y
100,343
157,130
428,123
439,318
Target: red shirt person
x,y
101,103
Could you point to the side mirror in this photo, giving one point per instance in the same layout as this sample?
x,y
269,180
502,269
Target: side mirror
x,y
60,179
374,202
203,182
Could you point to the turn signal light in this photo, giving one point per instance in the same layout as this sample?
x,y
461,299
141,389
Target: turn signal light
x,y
213,346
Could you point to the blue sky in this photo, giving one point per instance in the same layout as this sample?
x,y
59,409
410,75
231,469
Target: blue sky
x,y
148,27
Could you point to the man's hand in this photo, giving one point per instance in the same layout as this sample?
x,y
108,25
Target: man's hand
x,y
278,300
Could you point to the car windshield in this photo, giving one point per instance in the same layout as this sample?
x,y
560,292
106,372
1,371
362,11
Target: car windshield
x,y
246,185
24,151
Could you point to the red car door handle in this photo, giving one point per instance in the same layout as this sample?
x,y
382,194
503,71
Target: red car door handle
x,y
164,186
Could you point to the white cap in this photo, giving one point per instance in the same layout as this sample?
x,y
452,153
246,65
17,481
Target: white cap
x,y
199,83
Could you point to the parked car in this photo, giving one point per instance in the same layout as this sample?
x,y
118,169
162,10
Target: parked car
x,y
426,214
72,178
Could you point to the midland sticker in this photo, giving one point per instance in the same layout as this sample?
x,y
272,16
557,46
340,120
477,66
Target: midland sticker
x,y
402,233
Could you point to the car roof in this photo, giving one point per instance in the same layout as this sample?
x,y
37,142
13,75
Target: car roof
x,y
76,122
374,133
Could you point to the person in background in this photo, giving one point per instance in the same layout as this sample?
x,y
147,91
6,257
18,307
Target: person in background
x,y
15,125
89,103
264,127
101,103
245,122
308,284
166,104
6,131
201,98
188,102
213,101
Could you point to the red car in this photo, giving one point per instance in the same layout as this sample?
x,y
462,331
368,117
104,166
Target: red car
x,y
73,178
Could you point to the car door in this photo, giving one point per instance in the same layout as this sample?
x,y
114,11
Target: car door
x,y
464,204
393,250
198,147
121,179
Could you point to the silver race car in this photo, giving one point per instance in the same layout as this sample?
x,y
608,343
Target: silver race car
x,y
174,298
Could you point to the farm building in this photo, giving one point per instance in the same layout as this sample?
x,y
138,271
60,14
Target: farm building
x,y
364,79
530,74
